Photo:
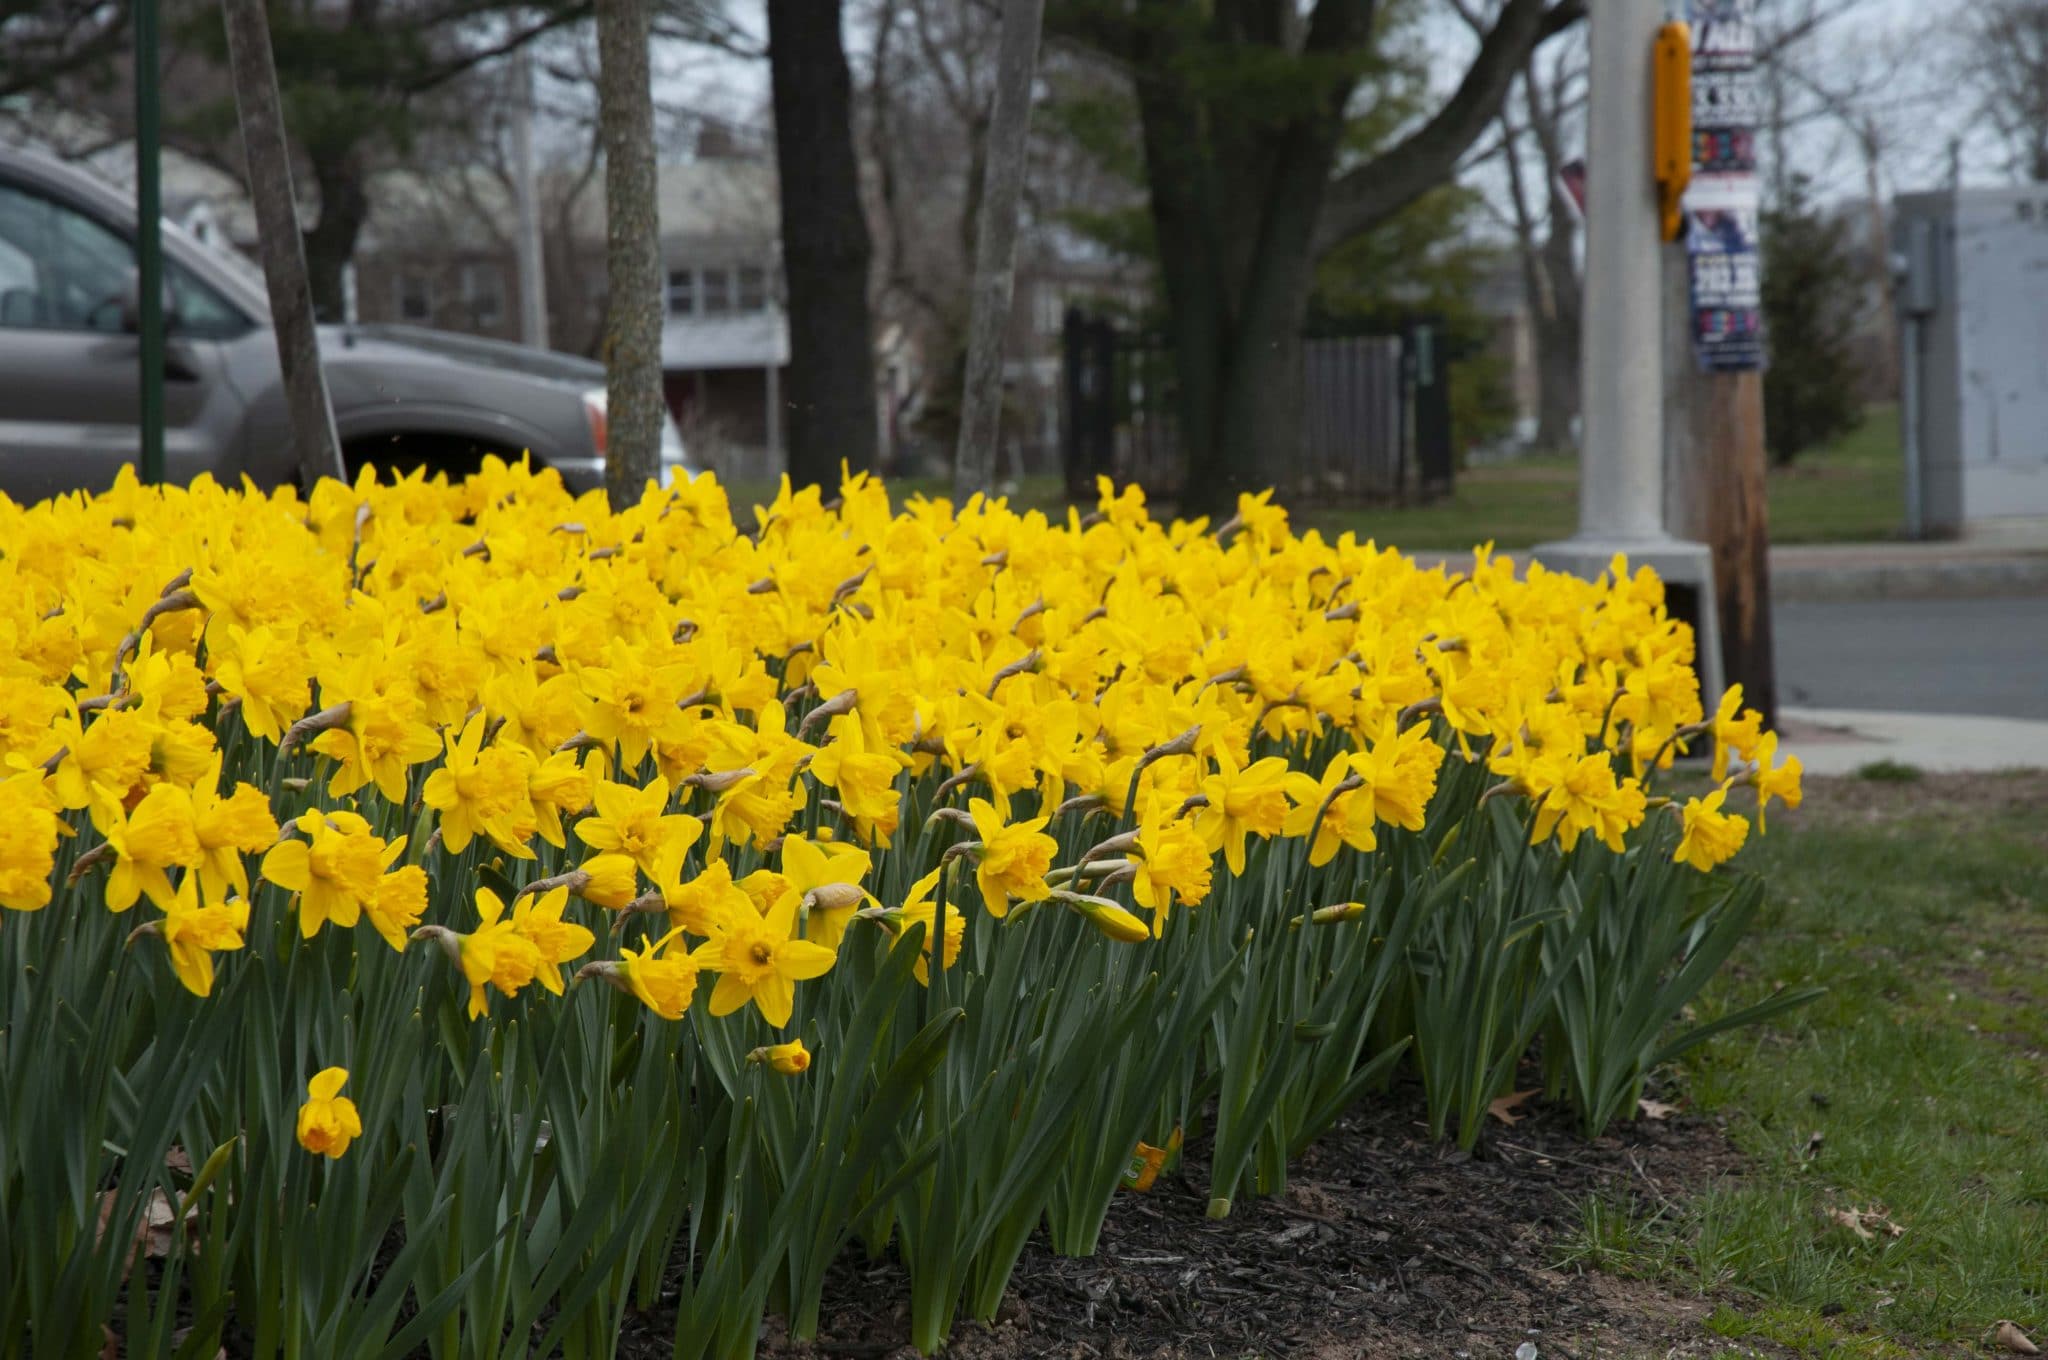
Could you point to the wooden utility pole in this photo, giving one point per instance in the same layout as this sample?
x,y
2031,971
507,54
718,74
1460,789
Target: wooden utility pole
x,y
254,71
995,248
632,257
1715,463
1715,492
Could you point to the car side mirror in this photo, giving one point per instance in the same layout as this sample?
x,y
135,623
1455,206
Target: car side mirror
x,y
131,305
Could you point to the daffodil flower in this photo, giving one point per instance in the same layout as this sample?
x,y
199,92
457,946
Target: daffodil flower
x,y
758,959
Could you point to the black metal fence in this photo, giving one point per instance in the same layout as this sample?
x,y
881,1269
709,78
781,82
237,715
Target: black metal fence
x,y
1375,414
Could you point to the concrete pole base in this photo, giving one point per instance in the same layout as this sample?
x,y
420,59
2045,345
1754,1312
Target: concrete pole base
x,y
1689,566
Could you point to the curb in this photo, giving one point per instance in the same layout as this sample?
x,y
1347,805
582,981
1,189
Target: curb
x,y
1961,578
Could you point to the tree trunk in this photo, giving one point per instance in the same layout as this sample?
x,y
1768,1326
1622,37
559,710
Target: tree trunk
x,y
1558,333
825,248
254,72
632,342
1234,217
331,242
995,250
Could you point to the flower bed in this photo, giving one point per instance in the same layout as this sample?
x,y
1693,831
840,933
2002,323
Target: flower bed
x,y
429,914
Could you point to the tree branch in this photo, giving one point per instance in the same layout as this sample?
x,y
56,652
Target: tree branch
x,y
1362,198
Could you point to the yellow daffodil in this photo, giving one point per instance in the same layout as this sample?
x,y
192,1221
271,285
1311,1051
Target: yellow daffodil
x,y
826,878
662,977
1711,835
1773,780
1576,795
482,790
328,1121
1174,863
229,828
156,837
636,823
334,871
495,954
1241,802
397,904
920,909
194,933
28,843
757,960
1013,857
1735,737
538,920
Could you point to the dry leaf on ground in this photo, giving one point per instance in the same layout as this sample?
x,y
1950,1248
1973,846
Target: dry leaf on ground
x,y
1655,1109
2013,1339
1867,1224
1503,1109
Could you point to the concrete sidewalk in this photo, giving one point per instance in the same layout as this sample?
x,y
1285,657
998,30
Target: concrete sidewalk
x,y
1843,741
2014,563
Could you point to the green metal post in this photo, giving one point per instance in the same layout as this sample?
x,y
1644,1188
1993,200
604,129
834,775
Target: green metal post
x,y
149,251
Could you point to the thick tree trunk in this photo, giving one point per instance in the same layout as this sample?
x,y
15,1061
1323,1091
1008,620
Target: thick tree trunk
x,y
995,252
632,252
1234,217
825,248
278,240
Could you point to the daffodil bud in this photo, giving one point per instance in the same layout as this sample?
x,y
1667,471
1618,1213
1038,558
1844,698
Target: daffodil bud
x,y
1112,920
842,702
331,717
717,781
1118,845
450,943
1343,911
607,971
789,1059
834,896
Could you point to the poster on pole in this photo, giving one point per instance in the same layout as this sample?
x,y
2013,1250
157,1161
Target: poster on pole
x,y
1722,206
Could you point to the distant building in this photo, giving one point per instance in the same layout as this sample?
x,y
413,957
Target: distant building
x,y
725,333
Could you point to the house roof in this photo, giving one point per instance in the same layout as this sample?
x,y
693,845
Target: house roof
x,y
742,340
718,200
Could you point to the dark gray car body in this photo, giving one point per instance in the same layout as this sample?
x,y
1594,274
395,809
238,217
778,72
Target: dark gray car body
x,y
69,399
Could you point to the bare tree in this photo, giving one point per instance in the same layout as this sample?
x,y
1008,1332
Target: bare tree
x,y
1544,219
2008,64
632,251
995,247
283,249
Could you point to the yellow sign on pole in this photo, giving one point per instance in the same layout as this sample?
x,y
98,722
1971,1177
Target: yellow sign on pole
x,y
1671,136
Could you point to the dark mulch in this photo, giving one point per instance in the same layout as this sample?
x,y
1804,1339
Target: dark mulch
x,y
1385,1244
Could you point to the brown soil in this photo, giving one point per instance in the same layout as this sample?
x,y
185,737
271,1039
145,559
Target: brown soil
x,y
1385,1244
1956,797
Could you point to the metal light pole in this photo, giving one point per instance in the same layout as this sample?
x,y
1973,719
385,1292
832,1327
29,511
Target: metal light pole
x,y
1621,456
533,285
149,243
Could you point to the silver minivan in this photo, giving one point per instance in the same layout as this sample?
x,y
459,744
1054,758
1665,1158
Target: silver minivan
x,y
403,396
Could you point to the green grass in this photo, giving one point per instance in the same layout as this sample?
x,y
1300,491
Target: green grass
x,y
1849,491
1923,1071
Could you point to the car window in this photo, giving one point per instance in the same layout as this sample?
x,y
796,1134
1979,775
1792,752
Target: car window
x,y
201,311
62,270
76,271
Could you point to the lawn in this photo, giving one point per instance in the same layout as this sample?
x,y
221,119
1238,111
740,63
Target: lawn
x,y
1917,1090
1849,491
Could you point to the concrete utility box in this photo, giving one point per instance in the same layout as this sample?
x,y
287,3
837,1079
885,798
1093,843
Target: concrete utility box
x,y
1973,322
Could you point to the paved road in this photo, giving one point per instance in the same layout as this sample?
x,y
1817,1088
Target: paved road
x,y
1984,656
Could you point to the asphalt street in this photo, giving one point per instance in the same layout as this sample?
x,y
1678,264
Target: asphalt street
x,y
1981,656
